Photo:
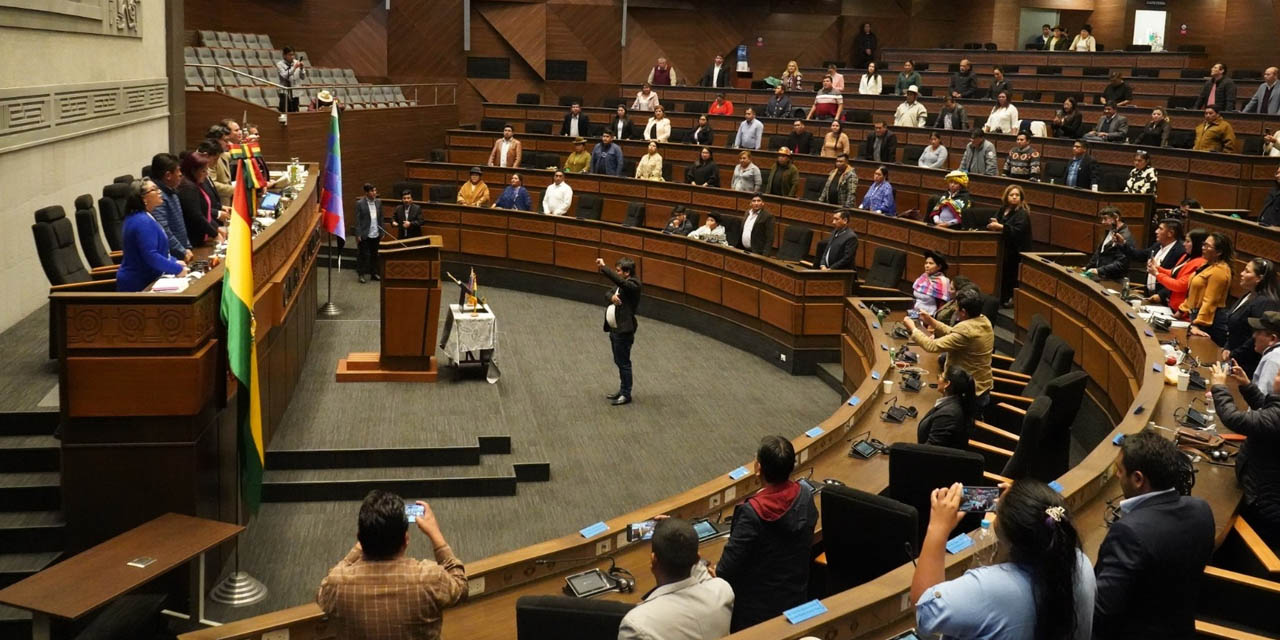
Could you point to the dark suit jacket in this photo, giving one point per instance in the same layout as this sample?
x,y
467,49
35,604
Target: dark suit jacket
x,y
703,137
1270,213
721,80
788,182
944,425
413,215
839,251
1226,98
761,233
1114,261
628,131
1088,172
1240,334
801,143
1149,569
678,228
1170,259
963,83
584,125
363,220
959,119
888,150
629,293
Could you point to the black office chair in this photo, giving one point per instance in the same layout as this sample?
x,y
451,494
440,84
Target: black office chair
x,y
1048,70
697,107
975,217
589,206
124,179
777,142
1055,170
90,237
566,101
538,126
635,215
972,45
857,115
813,187
1055,360
547,617
911,154
443,193
695,217
887,267
56,246
1189,74
1112,180
528,158
1252,145
795,243
1024,362
438,155
989,46
1142,48
528,98
1031,96
1018,458
991,308
1182,139
492,124
111,212
1144,73
864,536
545,160
1096,71
1246,74
926,91
414,188
1059,96
915,470
732,228
629,167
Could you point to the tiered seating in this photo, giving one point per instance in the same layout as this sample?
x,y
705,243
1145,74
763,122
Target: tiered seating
x,y
254,56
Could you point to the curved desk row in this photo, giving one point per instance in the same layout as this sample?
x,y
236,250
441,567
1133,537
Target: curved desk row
x,y
143,384
1163,60
1061,216
1217,181
874,609
882,107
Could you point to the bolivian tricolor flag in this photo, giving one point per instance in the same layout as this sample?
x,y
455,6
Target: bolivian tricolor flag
x,y
242,356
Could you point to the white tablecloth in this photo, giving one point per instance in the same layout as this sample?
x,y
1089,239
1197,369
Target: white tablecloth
x,y
471,332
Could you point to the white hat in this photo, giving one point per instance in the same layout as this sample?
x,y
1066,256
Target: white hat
x,y
913,89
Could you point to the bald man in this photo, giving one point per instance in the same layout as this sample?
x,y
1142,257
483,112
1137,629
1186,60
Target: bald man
x,y
1267,98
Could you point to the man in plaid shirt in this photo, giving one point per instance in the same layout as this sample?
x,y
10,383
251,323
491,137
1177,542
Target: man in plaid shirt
x,y
378,593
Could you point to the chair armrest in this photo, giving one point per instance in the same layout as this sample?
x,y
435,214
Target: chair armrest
x,y
989,448
116,256
1021,384
987,475
1010,376
821,559
860,287
995,357
1012,409
1260,550
111,268
1012,398
1206,629
92,285
995,431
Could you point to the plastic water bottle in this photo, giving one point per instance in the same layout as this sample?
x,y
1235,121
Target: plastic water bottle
x,y
984,544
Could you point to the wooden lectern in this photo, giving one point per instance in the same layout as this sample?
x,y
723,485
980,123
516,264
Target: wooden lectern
x,y
410,271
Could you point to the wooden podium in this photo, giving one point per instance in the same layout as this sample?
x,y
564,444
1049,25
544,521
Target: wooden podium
x,y
410,297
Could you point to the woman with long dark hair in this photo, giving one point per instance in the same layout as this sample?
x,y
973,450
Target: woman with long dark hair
x,y
1261,285
1172,284
948,423
703,172
198,209
1044,590
865,46
1013,221
1207,291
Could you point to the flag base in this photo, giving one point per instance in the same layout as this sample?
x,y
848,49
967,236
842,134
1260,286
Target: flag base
x,y
239,590
330,309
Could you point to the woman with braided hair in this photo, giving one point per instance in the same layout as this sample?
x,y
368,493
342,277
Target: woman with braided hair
x,y
1045,587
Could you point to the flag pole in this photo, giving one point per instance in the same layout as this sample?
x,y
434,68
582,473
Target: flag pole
x,y
239,588
329,309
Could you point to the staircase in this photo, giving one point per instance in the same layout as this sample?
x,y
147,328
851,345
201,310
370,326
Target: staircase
x,y
31,524
1240,593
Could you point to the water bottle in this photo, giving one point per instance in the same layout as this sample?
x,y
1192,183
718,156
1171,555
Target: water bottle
x,y
984,544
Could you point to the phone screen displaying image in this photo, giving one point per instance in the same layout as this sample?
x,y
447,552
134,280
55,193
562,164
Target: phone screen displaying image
x,y
412,511
979,499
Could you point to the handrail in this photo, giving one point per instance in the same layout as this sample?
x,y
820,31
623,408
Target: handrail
x,y
291,90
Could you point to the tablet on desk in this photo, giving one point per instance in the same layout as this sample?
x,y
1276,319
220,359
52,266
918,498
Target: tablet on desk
x,y
270,202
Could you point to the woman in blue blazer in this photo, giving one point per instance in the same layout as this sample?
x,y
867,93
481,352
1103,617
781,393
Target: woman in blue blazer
x,y
145,246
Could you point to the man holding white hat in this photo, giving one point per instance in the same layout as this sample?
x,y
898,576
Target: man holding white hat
x,y
911,113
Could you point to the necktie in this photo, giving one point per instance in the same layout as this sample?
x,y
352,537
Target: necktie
x,y
826,258
1266,101
1213,94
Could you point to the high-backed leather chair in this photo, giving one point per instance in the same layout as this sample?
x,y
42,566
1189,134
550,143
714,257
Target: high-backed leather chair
x,y
635,215
887,267
864,535
1055,360
444,193
528,98
90,237
1028,356
539,126
915,470
795,243
414,189
111,212
589,206
56,246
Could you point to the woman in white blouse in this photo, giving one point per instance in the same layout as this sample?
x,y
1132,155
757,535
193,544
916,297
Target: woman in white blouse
x,y
1004,116
650,165
746,175
1084,41
659,127
934,156
869,85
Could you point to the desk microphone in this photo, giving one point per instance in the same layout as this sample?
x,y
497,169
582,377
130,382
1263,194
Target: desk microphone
x,y
911,551
389,235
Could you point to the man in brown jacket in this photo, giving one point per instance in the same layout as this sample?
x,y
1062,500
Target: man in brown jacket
x,y
378,593
968,344
506,150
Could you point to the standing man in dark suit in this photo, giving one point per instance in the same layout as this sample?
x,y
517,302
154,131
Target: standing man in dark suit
x,y
408,217
1151,563
1111,258
620,321
842,246
576,124
368,233
757,228
1218,90
717,74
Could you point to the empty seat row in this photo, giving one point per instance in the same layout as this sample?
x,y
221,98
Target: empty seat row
x,y
235,40
355,97
208,78
229,57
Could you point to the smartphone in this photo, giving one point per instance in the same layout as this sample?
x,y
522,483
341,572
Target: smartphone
x,y
640,530
979,499
412,511
913,314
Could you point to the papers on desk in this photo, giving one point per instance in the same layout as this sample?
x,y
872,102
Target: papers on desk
x,y
170,284
1147,311
265,221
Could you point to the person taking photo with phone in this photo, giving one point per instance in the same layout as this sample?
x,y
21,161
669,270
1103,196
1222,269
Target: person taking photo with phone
x,y
377,587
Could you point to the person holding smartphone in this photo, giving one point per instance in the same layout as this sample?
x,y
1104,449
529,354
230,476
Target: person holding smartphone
x,y
1111,259
377,586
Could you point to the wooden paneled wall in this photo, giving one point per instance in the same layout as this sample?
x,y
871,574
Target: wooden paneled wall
x,y
334,33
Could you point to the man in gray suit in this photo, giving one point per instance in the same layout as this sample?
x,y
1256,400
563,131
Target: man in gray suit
x,y
689,603
1110,128
368,233
1267,98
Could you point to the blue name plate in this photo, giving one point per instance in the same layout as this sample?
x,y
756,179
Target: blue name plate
x,y
875,375
810,609
875,325
594,530
814,432
740,472
959,543
1056,486
1150,333
853,402
1156,368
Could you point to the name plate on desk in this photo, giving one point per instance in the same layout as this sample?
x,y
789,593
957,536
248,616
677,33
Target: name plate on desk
x,y
141,562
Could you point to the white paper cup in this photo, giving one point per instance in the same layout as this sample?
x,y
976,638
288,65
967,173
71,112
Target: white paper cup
x,y
1184,380
888,386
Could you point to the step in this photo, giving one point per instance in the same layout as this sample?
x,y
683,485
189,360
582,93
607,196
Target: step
x,y
1239,600
354,484
1216,629
28,531
1006,341
30,491
30,453
832,374
18,566
461,455
28,423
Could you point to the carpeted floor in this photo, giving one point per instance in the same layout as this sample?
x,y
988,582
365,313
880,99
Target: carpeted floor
x,y
700,408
